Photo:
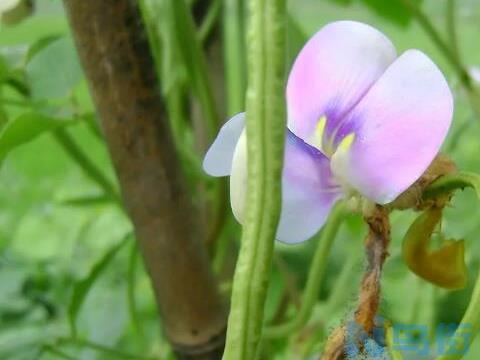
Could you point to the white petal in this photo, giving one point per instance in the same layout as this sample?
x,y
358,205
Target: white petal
x,y
218,159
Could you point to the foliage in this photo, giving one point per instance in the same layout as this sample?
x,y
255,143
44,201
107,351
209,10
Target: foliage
x,y
62,254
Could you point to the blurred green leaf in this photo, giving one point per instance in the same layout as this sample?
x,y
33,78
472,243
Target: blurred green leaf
x,y
3,69
296,38
39,45
87,200
90,169
25,128
54,70
392,10
131,286
82,287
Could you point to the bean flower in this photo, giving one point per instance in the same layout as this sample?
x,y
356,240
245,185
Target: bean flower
x,y
362,122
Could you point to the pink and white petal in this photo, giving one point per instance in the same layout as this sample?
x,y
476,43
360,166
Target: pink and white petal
x,y
218,159
308,189
399,127
332,73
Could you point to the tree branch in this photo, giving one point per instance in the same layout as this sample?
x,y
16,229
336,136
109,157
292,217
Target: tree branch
x,y
115,55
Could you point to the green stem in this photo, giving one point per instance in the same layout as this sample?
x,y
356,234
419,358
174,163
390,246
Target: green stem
x,y
265,142
234,55
196,63
190,52
315,276
450,20
90,169
441,44
470,324
209,21
343,284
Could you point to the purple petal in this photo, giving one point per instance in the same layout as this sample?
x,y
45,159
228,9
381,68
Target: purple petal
x,y
332,73
218,159
308,193
398,129
308,189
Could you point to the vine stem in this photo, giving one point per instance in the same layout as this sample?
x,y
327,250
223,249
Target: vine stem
x,y
265,143
315,276
470,321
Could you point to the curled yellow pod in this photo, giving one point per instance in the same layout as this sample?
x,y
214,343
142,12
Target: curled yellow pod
x,y
445,266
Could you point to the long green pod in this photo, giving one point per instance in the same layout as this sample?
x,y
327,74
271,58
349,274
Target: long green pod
x,y
265,143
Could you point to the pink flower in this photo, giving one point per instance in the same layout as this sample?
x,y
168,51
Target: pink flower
x,y
362,121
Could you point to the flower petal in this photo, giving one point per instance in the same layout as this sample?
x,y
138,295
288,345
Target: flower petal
x,y
332,73
308,189
398,128
218,159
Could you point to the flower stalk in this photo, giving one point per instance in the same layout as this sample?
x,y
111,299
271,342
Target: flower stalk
x,y
376,248
315,276
265,133
376,245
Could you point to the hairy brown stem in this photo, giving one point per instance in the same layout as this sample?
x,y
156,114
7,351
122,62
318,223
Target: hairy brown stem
x,y
115,55
376,245
376,248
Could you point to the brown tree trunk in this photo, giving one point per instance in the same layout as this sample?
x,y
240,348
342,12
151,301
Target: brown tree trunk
x,y
114,51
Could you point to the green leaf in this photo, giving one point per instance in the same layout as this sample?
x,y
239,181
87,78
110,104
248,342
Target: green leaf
x,y
392,10
450,182
87,200
3,69
54,71
39,45
82,287
131,286
25,128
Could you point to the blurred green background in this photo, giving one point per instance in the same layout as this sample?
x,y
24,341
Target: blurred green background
x,y
60,258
